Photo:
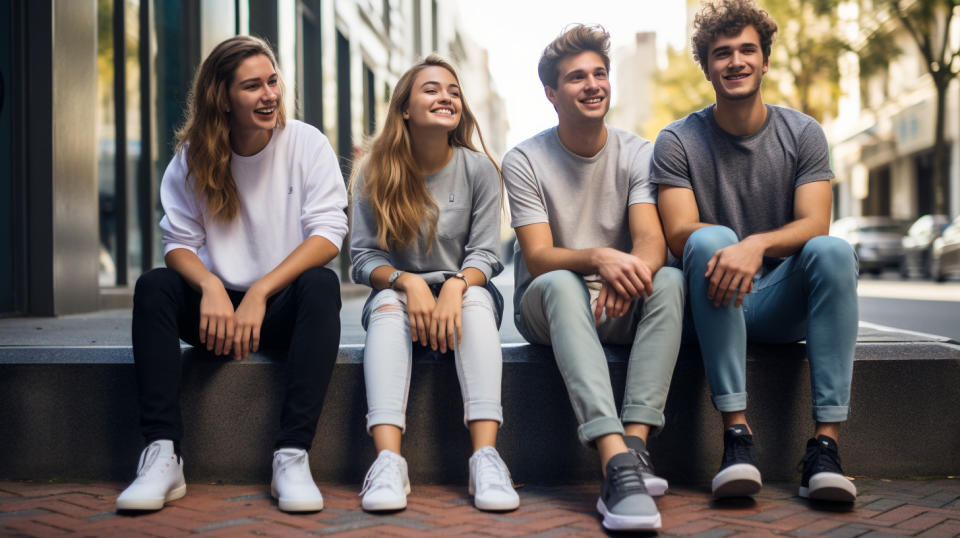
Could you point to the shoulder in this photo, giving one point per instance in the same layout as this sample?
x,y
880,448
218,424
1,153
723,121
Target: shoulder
x,y
692,124
794,119
302,135
532,148
474,160
628,141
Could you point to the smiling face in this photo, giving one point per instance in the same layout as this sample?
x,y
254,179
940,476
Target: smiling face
x,y
434,100
583,88
735,65
254,95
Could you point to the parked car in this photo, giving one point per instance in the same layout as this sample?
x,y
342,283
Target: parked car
x,y
876,240
945,255
919,242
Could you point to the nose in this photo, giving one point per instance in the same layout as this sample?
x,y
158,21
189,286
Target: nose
x,y
271,93
591,83
736,59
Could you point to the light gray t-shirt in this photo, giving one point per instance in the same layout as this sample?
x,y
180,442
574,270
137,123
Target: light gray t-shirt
x,y
583,199
743,182
467,192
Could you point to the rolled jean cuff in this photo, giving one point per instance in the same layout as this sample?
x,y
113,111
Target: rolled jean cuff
x,y
599,427
483,410
642,414
385,416
830,413
729,403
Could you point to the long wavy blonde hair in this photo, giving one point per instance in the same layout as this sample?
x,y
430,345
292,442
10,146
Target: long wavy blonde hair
x,y
206,132
393,182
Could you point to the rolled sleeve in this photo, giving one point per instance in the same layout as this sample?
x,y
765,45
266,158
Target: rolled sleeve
x,y
182,222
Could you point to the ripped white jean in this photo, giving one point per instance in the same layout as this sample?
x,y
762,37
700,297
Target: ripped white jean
x,y
388,359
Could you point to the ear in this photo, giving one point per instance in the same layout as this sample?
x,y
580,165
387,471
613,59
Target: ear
x,y
766,65
551,94
406,114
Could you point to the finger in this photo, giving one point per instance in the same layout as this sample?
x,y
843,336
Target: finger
x,y
458,325
618,287
204,323
722,288
221,331
610,305
211,338
228,337
601,299
744,286
622,306
255,332
438,337
647,278
712,264
714,284
627,282
412,321
730,289
238,344
638,281
424,325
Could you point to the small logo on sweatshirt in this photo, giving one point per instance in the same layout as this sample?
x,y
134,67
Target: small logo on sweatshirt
x,y
451,198
289,190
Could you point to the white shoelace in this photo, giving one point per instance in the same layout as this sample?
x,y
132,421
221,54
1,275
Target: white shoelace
x,y
491,471
288,460
382,474
147,458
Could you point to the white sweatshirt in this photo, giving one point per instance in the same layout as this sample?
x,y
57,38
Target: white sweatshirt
x,y
290,190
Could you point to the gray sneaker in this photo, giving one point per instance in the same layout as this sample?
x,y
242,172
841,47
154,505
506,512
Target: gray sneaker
x,y
656,486
624,502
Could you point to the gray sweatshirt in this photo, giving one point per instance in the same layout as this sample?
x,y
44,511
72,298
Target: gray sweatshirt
x,y
467,191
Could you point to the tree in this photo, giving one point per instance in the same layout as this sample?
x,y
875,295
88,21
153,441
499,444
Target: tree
x,y
928,23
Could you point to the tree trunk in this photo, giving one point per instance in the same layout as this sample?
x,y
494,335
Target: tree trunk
x,y
940,164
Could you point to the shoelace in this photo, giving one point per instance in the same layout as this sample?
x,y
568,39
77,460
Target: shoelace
x,y
491,470
147,459
646,466
739,450
626,479
826,460
386,468
287,460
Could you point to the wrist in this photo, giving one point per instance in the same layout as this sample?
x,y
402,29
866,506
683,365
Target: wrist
x,y
211,284
457,282
257,291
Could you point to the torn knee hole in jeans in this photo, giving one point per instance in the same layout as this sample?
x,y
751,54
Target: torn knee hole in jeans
x,y
389,308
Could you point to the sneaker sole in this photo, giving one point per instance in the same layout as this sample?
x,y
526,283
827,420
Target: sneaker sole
x,y
739,480
502,506
655,485
831,487
296,506
619,522
387,506
152,504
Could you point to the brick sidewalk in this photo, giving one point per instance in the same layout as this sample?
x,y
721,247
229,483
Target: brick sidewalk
x,y
884,508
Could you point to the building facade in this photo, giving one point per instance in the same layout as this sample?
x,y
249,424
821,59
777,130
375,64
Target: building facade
x,y
92,92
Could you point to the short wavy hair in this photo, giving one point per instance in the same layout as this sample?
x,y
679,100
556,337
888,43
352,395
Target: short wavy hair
x,y
728,18
573,40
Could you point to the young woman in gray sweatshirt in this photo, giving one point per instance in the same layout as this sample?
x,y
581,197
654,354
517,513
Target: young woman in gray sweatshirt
x,y
426,222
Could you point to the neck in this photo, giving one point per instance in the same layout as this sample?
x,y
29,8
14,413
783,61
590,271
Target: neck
x,y
585,140
250,142
741,117
431,150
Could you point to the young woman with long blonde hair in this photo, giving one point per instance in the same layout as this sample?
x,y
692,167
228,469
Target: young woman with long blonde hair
x,y
426,231
254,208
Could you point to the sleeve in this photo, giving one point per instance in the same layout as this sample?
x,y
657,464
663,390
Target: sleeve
x,y
813,156
526,204
324,194
182,222
365,254
642,190
670,166
483,244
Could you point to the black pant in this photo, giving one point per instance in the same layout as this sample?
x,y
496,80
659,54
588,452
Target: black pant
x,y
303,318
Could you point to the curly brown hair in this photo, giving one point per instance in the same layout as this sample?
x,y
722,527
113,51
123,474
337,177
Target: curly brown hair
x,y
729,18
572,41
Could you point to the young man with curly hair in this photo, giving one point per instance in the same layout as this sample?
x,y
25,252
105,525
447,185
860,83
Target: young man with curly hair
x,y
591,270
745,199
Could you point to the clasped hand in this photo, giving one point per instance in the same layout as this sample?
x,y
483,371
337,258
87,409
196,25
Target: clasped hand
x,y
224,329
731,271
625,277
435,322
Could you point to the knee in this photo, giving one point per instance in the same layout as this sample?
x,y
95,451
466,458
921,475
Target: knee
x,y
154,283
319,284
831,255
704,242
387,303
669,280
477,296
560,281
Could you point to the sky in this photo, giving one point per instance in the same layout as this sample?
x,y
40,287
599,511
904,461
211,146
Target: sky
x,y
514,32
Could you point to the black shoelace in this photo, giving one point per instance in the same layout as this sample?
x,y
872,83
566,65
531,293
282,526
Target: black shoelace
x,y
646,466
738,450
819,459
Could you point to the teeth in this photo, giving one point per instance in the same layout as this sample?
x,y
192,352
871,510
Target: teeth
x,y
445,111
265,110
594,100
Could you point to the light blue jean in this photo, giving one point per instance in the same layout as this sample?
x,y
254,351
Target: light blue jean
x,y
812,295
555,310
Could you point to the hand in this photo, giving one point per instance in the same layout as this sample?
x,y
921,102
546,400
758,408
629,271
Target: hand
x,y
615,304
731,271
249,319
420,304
446,327
217,321
626,274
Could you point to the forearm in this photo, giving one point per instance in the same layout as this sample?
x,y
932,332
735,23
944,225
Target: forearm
x,y
652,253
546,259
787,240
678,234
188,265
315,251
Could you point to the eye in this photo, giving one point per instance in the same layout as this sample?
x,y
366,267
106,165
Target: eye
x,y
273,82
430,90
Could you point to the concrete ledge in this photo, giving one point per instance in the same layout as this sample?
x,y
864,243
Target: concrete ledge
x,y
71,414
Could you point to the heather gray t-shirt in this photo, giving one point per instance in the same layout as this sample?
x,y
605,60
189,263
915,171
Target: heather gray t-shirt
x,y
743,182
583,199
468,226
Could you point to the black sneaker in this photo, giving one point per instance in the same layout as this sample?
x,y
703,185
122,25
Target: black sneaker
x,y
738,475
656,486
823,478
624,502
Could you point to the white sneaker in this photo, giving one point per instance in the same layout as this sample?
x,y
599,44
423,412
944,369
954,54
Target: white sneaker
x,y
386,485
159,479
292,485
490,482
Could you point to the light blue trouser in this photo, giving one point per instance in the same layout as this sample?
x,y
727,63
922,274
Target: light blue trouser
x,y
812,295
556,310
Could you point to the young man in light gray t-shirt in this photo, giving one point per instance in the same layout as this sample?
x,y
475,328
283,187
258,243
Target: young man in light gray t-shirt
x,y
591,270
745,199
